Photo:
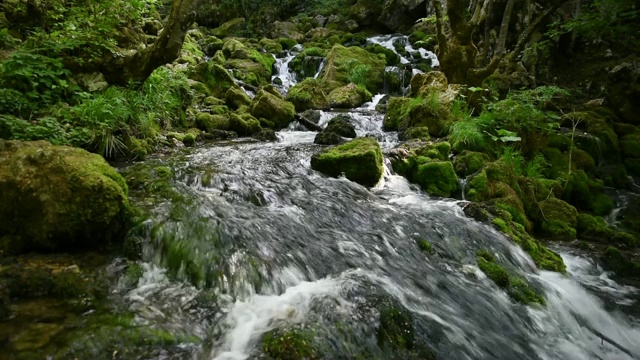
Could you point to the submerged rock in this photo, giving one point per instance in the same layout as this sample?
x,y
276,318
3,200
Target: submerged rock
x,y
360,160
59,197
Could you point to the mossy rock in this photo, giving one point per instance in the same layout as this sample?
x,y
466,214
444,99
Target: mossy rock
x,y
516,286
273,108
215,78
308,95
244,124
470,162
211,45
360,160
236,97
229,28
437,178
404,113
58,197
251,66
621,263
208,122
341,61
290,344
342,126
593,228
391,58
559,219
348,97
415,133
587,194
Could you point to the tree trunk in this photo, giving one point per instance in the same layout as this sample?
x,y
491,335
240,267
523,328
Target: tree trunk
x,y
138,66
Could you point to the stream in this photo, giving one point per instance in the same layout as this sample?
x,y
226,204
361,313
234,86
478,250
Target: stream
x,y
281,245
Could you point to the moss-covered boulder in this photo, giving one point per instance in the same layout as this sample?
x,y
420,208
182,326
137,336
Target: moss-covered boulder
x,y
348,96
558,219
419,133
437,178
342,126
404,113
236,97
215,78
272,108
308,95
587,194
58,197
249,64
244,124
593,228
343,65
360,160
469,162
209,122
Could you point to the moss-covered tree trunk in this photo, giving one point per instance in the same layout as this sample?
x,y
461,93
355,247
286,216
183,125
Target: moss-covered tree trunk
x,y
139,65
460,59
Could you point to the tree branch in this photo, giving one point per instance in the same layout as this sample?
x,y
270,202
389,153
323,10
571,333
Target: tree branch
x,y
504,29
526,34
440,32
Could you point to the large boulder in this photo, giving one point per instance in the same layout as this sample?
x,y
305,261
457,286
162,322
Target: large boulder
x,y
249,64
342,126
214,77
360,160
343,64
308,95
273,108
558,219
404,113
287,30
58,198
348,96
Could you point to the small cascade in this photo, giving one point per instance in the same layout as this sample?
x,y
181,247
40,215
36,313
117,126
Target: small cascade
x,y
462,183
408,55
320,67
397,80
284,79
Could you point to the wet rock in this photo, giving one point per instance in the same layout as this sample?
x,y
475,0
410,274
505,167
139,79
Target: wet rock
x,y
328,138
275,109
342,126
58,197
208,122
319,21
349,26
210,45
312,115
308,95
469,162
220,135
360,160
559,219
214,77
287,30
348,97
266,135
236,97
341,62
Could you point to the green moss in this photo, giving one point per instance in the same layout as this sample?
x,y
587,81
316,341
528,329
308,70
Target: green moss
x,y
586,194
558,219
341,60
620,263
360,160
236,97
58,197
292,344
208,122
425,246
404,113
515,286
437,178
244,125
348,96
308,95
273,108
391,58
469,162
421,133
215,78
593,228
189,140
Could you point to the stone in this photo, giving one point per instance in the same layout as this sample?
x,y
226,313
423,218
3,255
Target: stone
x,y
307,95
341,61
348,97
342,126
360,160
328,138
92,82
271,107
59,198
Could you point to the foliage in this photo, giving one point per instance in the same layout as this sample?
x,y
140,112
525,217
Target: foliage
x,y
359,74
30,80
603,19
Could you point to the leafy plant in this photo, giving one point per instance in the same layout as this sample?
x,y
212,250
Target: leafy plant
x,y
359,74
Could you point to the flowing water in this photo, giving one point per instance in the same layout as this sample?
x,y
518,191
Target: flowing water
x,y
272,244
284,246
